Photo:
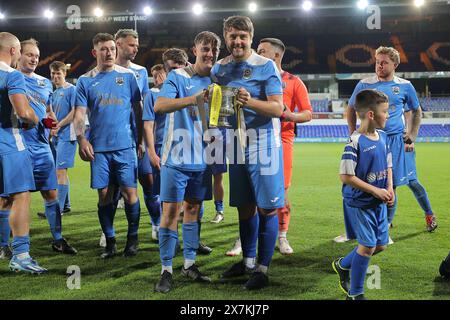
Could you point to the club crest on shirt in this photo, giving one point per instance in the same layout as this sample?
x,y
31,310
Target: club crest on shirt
x,y
119,81
284,85
61,94
137,75
396,90
247,74
41,83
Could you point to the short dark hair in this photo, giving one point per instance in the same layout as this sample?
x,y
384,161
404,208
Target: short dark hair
x,y
175,54
58,66
240,23
369,100
102,37
277,43
157,67
123,33
207,37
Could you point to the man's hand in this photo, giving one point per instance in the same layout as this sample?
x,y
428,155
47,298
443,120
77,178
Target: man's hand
x,y
160,77
155,161
54,131
242,97
391,201
140,151
407,138
85,150
287,116
409,147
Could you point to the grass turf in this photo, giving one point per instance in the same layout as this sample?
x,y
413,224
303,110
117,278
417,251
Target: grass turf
x,y
409,268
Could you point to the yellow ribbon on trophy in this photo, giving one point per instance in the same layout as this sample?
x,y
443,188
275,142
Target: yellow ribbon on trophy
x,y
216,102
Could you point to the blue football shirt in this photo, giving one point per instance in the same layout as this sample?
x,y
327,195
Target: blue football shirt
x,y
63,102
368,160
141,75
39,93
183,144
149,114
11,82
260,77
401,95
109,96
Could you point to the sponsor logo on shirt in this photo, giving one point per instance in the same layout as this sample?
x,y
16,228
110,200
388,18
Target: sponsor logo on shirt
x,y
369,148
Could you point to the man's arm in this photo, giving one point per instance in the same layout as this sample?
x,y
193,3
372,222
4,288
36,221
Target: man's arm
x,y
168,105
390,188
351,119
413,119
85,148
67,119
273,107
150,142
302,102
22,108
137,108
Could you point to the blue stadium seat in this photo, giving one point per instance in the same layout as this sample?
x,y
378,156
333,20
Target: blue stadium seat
x,y
341,131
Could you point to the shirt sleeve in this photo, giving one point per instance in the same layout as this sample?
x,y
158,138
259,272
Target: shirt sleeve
x,y
16,83
81,94
359,87
145,87
273,82
170,86
301,97
412,101
149,111
349,158
73,94
213,73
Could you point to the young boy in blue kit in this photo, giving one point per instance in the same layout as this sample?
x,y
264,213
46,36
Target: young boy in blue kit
x,y
366,174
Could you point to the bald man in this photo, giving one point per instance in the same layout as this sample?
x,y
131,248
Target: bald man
x,y
16,173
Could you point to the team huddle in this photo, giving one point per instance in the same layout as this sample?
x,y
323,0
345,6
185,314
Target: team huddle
x,y
162,138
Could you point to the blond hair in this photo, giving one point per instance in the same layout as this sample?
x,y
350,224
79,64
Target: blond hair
x,y
391,52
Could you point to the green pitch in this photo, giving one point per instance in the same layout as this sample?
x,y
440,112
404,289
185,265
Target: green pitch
x,y
408,269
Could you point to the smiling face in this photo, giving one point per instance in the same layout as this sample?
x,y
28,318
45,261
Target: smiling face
x,y
206,55
105,52
238,43
58,77
29,59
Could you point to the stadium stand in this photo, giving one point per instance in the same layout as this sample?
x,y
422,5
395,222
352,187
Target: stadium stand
x,y
320,105
341,131
435,104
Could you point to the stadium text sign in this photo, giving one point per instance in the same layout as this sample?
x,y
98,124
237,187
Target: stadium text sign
x,y
75,19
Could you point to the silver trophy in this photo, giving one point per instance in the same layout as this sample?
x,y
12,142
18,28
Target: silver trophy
x,y
221,101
